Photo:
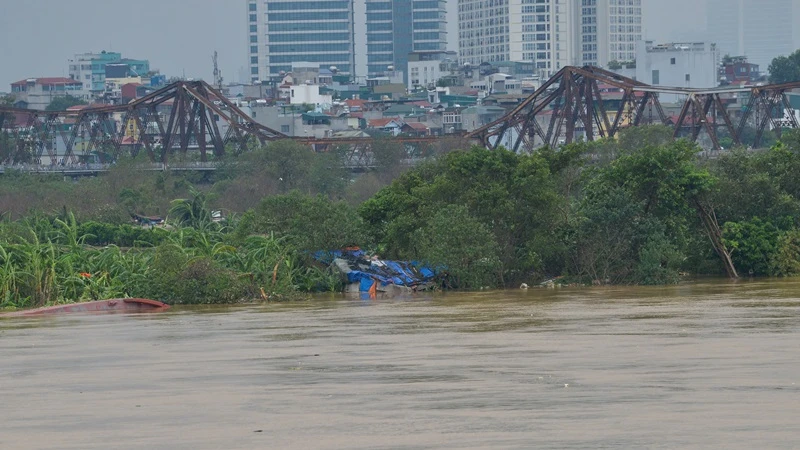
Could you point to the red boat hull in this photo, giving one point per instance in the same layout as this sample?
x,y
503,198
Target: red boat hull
x,y
126,305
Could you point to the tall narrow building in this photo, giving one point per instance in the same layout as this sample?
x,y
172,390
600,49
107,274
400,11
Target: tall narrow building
x,y
397,28
609,31
484,32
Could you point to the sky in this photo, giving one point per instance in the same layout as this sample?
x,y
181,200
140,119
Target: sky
x,y
38,37
674,20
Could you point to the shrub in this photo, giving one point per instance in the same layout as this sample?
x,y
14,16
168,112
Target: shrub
x,y
203,281
785,260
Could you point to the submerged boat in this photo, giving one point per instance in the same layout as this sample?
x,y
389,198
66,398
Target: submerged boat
x,y
125,305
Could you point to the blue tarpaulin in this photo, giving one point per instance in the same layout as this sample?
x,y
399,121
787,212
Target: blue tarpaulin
x,y
366,271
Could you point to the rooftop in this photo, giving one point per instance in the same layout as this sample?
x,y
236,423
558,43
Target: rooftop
x,y
679,47
380,123
47,81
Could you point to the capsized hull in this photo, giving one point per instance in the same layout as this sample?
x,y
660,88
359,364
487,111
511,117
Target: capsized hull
x,y
127,305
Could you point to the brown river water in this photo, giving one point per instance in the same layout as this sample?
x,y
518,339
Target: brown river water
x,y
710,364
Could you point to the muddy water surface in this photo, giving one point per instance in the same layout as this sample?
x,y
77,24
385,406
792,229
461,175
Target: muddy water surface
x,y
702,365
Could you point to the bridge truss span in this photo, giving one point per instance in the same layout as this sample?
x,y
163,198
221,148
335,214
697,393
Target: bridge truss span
x,y
182,116
589,103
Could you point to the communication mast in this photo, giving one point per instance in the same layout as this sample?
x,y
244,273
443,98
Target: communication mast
x,y
217,72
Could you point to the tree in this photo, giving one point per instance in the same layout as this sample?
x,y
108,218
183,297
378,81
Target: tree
x,y
444,82
606,234
308,223
388,155
785,69
671,188
753,244
288,162
62,103
727,59
327,174
459,245
512,195
8,145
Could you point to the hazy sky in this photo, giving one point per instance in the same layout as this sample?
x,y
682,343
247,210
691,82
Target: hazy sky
x,y
37,37
674,20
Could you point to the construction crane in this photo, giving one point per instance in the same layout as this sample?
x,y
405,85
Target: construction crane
x,y
217,72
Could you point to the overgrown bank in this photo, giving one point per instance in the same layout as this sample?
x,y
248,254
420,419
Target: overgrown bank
x,y
640,209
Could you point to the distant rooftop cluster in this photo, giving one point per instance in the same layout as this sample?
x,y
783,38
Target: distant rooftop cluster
x,y
93,77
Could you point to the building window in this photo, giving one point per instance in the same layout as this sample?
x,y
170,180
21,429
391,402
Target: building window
x,y
253,17
672,61
254,60
253,49
253,6
656,77
254,28
254,71
284,129
688,78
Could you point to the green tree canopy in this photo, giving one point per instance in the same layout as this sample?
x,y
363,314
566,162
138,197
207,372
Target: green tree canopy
x,y
785,69
513,196
308,223
62,103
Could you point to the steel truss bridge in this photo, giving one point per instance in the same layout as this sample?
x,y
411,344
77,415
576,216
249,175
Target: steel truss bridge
x,y
576,103
590,102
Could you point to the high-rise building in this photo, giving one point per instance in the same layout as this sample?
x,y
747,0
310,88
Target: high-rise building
x,y
757,29
359,37
484,34
397,28
281,32
609,31
550,33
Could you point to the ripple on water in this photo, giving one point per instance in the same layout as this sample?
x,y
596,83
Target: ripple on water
x,y
709,364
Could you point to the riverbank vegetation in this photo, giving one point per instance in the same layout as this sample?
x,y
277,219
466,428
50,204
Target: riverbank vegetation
x,y
640,209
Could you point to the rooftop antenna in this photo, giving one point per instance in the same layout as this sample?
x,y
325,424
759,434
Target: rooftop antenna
x,y
217,72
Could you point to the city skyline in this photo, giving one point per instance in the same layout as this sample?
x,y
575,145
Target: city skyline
x,y
181,40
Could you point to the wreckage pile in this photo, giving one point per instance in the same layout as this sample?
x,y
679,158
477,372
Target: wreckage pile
x,y
369,274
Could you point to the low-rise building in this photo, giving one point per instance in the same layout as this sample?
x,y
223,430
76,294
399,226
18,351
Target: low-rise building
x,y
426,68
737,69
689,65
391,125
37,93
91,69
477,116
303,94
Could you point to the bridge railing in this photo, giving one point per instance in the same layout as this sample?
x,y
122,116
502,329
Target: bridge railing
x,y
104,167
